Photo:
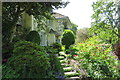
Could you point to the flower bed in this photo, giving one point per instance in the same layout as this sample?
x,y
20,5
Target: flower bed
x,y
96,59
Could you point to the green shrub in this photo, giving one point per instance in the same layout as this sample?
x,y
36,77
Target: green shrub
x,y
33,36
8,72
72,52
56,68
25,47
57,46
50,50
68,38
29,60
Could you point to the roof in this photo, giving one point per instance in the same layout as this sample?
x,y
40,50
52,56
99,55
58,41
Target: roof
x,y
57,15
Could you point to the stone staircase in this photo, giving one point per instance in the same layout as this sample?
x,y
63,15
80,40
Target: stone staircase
x,y
70,73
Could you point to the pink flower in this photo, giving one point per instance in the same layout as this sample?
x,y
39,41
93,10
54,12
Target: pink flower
x,y
116,66
75,55
96,47
81,59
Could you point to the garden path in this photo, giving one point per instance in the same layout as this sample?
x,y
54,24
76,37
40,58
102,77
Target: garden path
x,y
69,67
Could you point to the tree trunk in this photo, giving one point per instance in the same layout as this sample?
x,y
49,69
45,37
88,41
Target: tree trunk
x,y
119,23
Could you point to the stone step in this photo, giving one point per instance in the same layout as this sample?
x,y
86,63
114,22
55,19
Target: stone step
x,y
73,78
63,61
71,74
61,57
67,69
62,54
65,65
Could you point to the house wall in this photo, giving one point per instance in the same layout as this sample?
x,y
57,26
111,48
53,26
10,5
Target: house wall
x,y
51,39
46,37
43,37
56,25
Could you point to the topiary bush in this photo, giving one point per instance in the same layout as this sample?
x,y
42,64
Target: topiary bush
x,y
33,36
68,38
29,60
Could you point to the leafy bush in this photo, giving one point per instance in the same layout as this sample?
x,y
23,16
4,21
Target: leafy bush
x,y
50,50
25,47
57,46
68,38
72,52
8,72
55,70
29,60
96,58
33,36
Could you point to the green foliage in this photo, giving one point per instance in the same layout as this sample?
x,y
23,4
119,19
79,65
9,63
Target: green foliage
x,y
8,72
68,38
96,60
72,51
25,47
33,36
106,20
50,50
29,60
57,46
55,70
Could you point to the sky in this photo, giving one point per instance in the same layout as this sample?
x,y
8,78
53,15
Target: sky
x,y
79,12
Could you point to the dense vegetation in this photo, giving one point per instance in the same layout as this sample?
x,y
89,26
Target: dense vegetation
x,y
96,59
29,60
96,52
24,59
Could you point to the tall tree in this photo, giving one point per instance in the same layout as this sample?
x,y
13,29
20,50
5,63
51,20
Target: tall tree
x,y
106,20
